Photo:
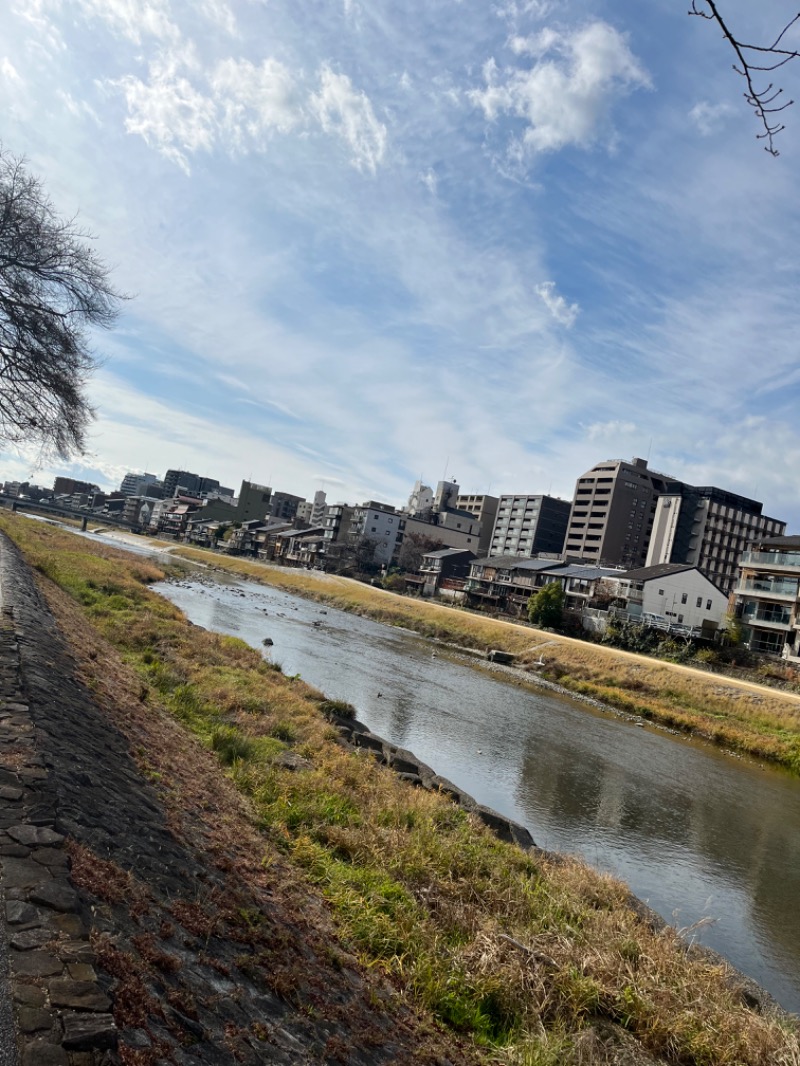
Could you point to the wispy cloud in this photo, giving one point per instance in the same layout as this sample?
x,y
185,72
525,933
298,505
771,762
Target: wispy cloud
x,y
562,312
709,118
565,97
348,113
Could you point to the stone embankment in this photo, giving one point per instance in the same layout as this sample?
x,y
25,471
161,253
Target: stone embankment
x,y
411,769
141,934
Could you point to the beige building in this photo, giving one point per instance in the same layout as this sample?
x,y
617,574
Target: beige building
x,y
484,509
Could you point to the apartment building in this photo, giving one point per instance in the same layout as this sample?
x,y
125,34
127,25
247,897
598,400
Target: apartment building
x,y
380,523
141,484
484,509
530,525
708,528
612,513
768,597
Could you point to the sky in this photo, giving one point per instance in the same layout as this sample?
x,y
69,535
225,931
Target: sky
x,y
366,242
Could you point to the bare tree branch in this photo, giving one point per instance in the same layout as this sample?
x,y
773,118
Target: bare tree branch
x,y
768,101
52,288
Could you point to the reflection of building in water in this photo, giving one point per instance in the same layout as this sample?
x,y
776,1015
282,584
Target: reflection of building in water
x,y
726,830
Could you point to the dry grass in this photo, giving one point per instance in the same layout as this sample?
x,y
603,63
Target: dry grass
x,y
741,716
536,962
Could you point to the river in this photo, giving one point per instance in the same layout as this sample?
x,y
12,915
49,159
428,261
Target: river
x,y
710,841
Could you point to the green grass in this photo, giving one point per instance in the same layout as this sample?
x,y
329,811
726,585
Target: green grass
x,y
534,962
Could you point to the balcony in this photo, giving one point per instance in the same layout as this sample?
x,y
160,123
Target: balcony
x,y
772,588
766,616
771,560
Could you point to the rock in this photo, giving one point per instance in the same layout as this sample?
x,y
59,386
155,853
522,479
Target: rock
x,y
57,895
268,642
78,995
84,1031
27,939
44,1053
31,835
34,1020
504,828
34,963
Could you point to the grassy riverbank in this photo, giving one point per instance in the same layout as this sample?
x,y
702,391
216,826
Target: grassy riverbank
x,y
533,961
742,717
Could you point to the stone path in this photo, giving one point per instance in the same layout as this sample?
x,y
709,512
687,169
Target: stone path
x,y
125,933
61,1010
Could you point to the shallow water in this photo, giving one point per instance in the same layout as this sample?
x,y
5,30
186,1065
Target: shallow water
x,y
699,834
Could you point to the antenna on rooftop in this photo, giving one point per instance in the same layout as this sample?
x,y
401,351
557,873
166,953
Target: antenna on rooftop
x,y
649,449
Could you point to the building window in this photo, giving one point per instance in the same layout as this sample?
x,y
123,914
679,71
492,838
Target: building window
x,y
708,605
699,601
684,597
661,592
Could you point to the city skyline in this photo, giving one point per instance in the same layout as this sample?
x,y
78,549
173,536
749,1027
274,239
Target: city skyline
x,y
365,245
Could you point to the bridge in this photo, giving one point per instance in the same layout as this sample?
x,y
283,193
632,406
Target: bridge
x,y
13,503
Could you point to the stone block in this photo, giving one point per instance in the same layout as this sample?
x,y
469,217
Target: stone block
x,y
85,1031
44,1053
77,995
56,894
34,1020
34,963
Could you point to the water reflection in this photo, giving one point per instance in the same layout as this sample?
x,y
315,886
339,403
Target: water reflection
x,y
695,832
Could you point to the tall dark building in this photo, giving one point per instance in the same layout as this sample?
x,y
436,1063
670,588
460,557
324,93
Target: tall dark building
x,y
612,513
528,525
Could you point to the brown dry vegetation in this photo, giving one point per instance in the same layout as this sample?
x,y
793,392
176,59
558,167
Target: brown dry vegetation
x,y
532,961
738,715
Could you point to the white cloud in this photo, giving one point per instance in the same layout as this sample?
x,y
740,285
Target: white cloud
x,y
565,97
36,13
709,118
134,19
562,312
344,111
220,13
168,111
429,180
255,99
9,73
614,428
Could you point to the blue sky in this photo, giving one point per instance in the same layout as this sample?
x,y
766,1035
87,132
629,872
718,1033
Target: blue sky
x,y
368,241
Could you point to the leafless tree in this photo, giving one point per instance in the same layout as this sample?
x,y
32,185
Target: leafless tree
x,y
53,287
752,62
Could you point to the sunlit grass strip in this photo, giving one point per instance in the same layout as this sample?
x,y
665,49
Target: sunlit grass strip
x,y
764,724
537,961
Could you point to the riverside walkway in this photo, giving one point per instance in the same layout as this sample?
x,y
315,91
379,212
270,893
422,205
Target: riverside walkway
x,y
140,922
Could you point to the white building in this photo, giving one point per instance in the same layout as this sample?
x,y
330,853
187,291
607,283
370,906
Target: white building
x,y
380,523
675,596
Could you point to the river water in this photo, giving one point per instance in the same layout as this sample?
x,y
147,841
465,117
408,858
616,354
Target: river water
x,y
702,836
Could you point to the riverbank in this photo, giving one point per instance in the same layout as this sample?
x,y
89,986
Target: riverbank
x,y
526,959
738,715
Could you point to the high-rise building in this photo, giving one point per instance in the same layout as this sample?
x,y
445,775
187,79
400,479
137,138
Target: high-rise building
x,y
194,484
484,508
66,486
138,484
283,505
612,513
708,528
318,508
529,525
